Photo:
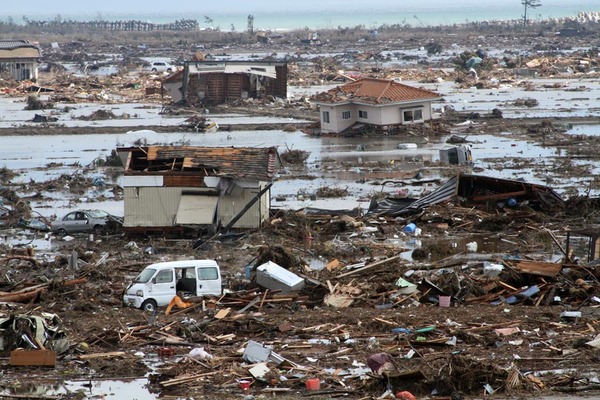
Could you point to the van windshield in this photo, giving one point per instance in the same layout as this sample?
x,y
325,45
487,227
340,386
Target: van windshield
x,y
145,275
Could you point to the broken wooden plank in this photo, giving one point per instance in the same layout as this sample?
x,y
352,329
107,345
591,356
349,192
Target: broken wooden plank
x,y
252,303
540,268
45,358
222,313
101,355
188,378
368,267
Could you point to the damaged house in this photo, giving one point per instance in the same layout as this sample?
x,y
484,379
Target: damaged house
x,y
373,102
479,191
181,188
20,59
217,82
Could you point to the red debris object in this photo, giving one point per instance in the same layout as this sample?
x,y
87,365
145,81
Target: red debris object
x,y
313,384
405,396
166,352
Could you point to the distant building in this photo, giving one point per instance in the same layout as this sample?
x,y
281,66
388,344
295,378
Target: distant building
x,y
19,58
196,188
375,102
216,82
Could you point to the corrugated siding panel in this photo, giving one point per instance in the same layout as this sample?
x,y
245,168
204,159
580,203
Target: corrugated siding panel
x,y
151,207
254,217
142,180
196,210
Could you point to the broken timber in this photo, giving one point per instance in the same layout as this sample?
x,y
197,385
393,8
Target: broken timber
x,y
367,267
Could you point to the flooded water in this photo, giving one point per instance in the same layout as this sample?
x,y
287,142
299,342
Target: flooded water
x,y
357,164
90,388
584,129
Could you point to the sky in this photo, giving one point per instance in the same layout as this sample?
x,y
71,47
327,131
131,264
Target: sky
x,y
150,6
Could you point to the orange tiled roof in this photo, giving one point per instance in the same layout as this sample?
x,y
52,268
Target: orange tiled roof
x,y
376,91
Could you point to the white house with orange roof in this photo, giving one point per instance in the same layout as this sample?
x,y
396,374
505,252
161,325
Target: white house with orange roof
x,y
375,102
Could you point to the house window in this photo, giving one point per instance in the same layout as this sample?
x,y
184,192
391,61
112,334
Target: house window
x,y
413,115
346,115
326,117
362,114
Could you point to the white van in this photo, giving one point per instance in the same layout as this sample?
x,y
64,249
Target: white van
x,y
158,283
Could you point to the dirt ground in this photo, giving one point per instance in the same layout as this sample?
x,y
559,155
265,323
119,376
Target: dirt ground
x,y
480,346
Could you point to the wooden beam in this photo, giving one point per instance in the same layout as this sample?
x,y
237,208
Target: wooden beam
x,y
370,266
539,268
499,196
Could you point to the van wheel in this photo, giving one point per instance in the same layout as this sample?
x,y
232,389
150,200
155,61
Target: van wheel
x,y
149,305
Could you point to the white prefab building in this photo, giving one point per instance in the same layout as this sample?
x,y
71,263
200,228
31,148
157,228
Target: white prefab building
x,y
375,102
190,187
19,58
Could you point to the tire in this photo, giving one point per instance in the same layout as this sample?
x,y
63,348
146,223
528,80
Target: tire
x,y
169,70
149,305
154,70
62,232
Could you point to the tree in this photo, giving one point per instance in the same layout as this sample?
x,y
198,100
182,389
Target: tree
x,y
529,4
208,20
250,24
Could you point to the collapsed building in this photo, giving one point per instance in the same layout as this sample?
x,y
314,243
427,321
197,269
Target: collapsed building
x,y
173,188
216,82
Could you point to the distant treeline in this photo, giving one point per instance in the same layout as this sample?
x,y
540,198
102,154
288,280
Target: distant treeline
x,y
69,26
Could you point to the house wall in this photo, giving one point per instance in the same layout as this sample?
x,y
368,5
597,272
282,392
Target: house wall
x,y
20,70
157,206
175,89
151,206
425,109
233,203
377,115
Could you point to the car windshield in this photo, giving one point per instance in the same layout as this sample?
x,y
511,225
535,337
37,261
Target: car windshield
x,y
97,213
145,275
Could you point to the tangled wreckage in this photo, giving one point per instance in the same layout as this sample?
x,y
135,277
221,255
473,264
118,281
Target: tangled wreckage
x,y
377,314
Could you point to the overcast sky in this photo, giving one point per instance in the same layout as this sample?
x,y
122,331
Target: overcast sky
x,y
65,7
204,6
145,6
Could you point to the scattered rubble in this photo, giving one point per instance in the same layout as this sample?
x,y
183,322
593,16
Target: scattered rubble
x,y
479,286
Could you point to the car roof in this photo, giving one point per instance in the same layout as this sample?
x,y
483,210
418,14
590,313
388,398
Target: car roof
x,y
183,263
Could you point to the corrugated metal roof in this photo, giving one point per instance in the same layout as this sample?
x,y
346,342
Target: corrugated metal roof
x,y
19,49
13,44
395,207
469,186
234,162
376,91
